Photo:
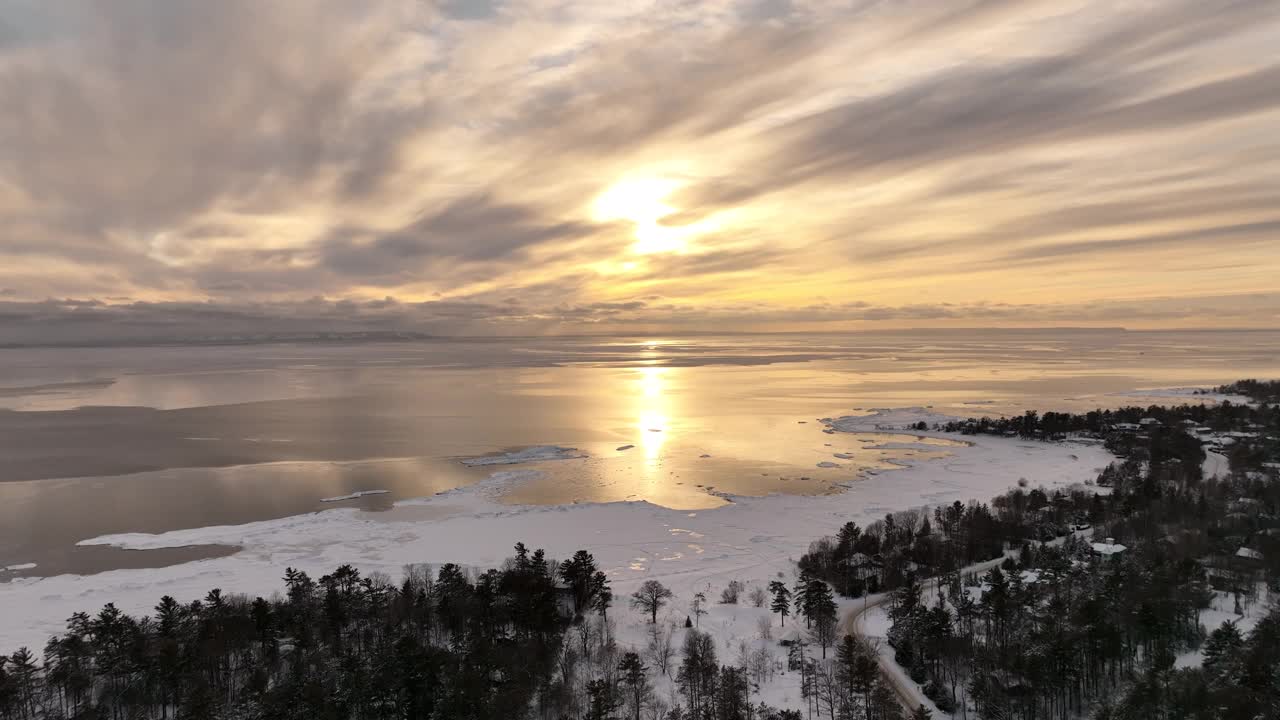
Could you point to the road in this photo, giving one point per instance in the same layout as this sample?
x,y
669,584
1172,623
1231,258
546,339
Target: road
x,y
909,693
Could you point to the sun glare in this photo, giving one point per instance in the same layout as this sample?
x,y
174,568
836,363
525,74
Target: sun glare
x,y
642,201
652,412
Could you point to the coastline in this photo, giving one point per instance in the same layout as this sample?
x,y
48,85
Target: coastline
x,y
750,539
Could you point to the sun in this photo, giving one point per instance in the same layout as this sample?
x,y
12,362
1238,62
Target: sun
x,y
642,202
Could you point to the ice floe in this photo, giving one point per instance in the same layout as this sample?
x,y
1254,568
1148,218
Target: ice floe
x,y
354,496
523,455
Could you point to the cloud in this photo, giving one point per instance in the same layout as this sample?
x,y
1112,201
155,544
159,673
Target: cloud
x,y
974,110
224,163
473,229
63,321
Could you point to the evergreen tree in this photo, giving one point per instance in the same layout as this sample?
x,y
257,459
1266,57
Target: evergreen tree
x,y
781,600
636,682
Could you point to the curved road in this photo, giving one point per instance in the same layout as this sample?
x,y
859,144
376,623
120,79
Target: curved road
x,y
908,692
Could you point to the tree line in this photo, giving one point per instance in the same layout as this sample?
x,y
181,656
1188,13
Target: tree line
x,y
532,639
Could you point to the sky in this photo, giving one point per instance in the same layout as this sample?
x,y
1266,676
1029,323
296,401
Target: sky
x,y
544,166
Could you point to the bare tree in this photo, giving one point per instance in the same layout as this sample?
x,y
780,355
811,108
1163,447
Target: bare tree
x,y
729,596
659,650
650,598
765,627
696,607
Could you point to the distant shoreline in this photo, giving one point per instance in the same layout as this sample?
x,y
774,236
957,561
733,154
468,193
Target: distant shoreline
x,y
409,337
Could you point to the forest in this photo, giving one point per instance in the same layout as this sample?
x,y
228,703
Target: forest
x,y
1064,625
529,640
1259,391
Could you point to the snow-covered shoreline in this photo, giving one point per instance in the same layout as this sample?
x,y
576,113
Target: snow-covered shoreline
x,y
752,539
1188,394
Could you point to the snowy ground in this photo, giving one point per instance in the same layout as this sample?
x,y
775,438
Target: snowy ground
x,y
1215,465
1222,608
753,540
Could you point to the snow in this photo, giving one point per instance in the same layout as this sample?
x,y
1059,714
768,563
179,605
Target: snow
x,y
1215,465
751,539
1222,609
1108,548
354,496
875,625
19,566
523,455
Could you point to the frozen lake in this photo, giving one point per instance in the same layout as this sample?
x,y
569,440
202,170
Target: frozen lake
x,y
125,440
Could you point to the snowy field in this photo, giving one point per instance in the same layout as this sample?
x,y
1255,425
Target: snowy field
x,y
753,540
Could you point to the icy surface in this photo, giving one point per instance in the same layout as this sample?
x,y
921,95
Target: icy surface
x,y
888,419
523,455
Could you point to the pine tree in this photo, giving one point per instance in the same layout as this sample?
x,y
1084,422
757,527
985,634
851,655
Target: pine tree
x,y
821,610
600,700
1223,653
798,596
580,574
781,600
635,681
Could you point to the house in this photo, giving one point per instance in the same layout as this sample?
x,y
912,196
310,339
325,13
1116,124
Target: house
x,y
1245,505
1127,427
790,636
1230,573
1248,553
1149,422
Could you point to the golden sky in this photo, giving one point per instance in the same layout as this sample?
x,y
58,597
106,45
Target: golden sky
x,y
511,166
